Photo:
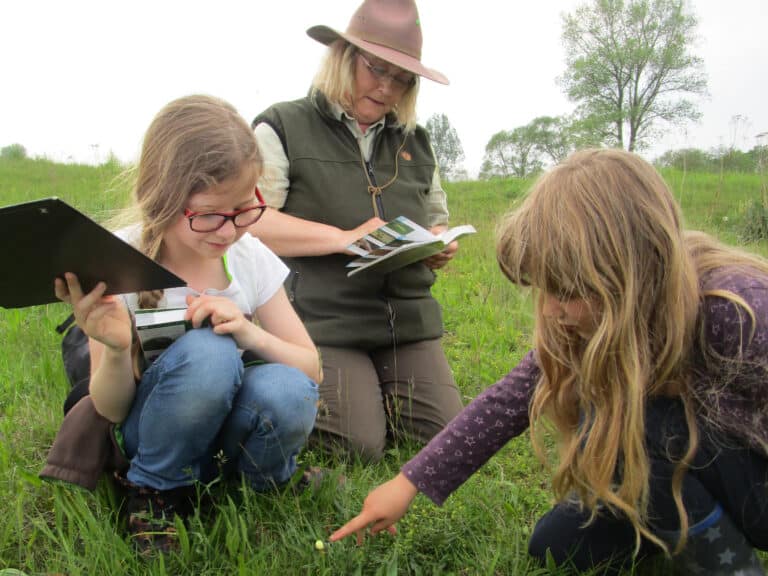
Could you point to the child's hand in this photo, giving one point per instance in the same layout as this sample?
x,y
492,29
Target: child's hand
x,y
221,313
103,318
382,508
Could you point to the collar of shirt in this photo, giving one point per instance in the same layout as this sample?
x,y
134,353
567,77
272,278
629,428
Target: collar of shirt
x,y
364,139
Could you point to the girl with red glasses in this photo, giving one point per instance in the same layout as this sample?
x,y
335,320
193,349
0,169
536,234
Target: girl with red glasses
x,y
198,409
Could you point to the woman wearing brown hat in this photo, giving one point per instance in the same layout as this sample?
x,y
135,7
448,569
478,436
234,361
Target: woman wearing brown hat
x,y
338,163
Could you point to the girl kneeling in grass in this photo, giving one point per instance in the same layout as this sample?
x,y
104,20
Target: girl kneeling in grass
x,y
650,361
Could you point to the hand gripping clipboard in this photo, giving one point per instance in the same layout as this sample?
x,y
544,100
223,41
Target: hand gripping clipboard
x,y
42,239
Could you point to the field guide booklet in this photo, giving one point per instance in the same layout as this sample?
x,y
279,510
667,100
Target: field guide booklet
x,y
398,243
158,327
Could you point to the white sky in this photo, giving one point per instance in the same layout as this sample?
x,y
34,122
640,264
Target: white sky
x,y
82,78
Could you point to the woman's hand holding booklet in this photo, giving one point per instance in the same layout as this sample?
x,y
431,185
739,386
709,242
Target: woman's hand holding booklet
x,y
398,243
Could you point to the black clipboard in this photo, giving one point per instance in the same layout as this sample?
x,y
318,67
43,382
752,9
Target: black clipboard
x,y
44,238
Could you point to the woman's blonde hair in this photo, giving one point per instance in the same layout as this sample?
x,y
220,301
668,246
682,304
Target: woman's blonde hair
x,y
336,80
604,227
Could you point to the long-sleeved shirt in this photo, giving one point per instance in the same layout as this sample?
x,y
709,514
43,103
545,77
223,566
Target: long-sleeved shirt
x,y
500,412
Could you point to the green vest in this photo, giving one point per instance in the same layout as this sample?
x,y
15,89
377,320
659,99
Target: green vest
x,y
328,185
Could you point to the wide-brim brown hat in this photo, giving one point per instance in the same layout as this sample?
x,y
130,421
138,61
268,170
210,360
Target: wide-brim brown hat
x,y
388,29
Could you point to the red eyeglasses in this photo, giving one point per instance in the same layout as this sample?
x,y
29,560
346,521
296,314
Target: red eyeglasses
x,y
212,221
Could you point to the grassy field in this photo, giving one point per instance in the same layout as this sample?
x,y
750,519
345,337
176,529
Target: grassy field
x,y
483,529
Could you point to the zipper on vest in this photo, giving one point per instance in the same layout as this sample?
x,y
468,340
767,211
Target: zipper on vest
x,y
391,316
378,208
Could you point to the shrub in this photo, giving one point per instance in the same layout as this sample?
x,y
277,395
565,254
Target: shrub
x,y
13,152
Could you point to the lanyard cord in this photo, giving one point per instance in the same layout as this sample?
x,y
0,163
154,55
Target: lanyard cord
x,y
373,190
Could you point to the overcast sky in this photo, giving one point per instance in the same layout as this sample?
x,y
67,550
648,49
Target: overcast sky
x,y
82,78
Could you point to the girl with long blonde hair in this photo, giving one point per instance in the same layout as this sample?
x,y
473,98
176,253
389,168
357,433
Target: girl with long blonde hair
x,y
651,348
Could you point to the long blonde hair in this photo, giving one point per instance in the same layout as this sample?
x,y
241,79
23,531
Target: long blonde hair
x,y
604,227
193,143
336,80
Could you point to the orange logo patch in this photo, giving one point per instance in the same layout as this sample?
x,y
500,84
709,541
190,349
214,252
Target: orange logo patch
x,y
405,155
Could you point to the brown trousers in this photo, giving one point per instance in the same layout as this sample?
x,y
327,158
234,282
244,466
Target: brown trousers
x,y
367,396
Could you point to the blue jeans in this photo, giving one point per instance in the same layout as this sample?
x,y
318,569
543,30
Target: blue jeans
x,y
199,412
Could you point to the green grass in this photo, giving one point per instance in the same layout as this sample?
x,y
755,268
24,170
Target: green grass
x,y
483,528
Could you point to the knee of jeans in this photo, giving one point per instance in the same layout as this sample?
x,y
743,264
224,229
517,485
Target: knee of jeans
x,y
206,340
285,393
208,351
211,363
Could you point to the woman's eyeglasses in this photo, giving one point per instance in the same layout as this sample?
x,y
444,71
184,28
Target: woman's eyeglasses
x,y
403,80
212,221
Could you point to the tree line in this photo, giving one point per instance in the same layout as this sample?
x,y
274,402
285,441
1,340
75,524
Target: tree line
x,y
631,74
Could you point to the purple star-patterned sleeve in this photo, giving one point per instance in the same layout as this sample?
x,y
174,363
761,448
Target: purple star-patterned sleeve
x,y
495,416
730,330
732,390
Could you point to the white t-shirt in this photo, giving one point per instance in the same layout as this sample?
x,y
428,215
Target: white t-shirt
x,y
254,271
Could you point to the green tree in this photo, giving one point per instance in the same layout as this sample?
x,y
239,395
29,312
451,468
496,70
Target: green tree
x,y
13,151
630,68
552,137
735,160
511,153
692,159
447,146
721,159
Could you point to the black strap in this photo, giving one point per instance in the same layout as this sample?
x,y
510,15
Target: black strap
x,y
68,321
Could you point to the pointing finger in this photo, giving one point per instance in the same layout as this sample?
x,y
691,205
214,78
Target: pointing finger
x,y
357,524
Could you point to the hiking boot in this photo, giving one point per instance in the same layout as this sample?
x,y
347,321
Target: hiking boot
x,y
151,515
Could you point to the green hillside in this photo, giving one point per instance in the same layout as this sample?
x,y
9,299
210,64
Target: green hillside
x,y
484,527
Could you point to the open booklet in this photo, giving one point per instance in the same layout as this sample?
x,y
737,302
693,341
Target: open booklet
x,y
398,243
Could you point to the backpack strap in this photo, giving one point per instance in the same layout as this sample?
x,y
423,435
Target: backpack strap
x,y
68,321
